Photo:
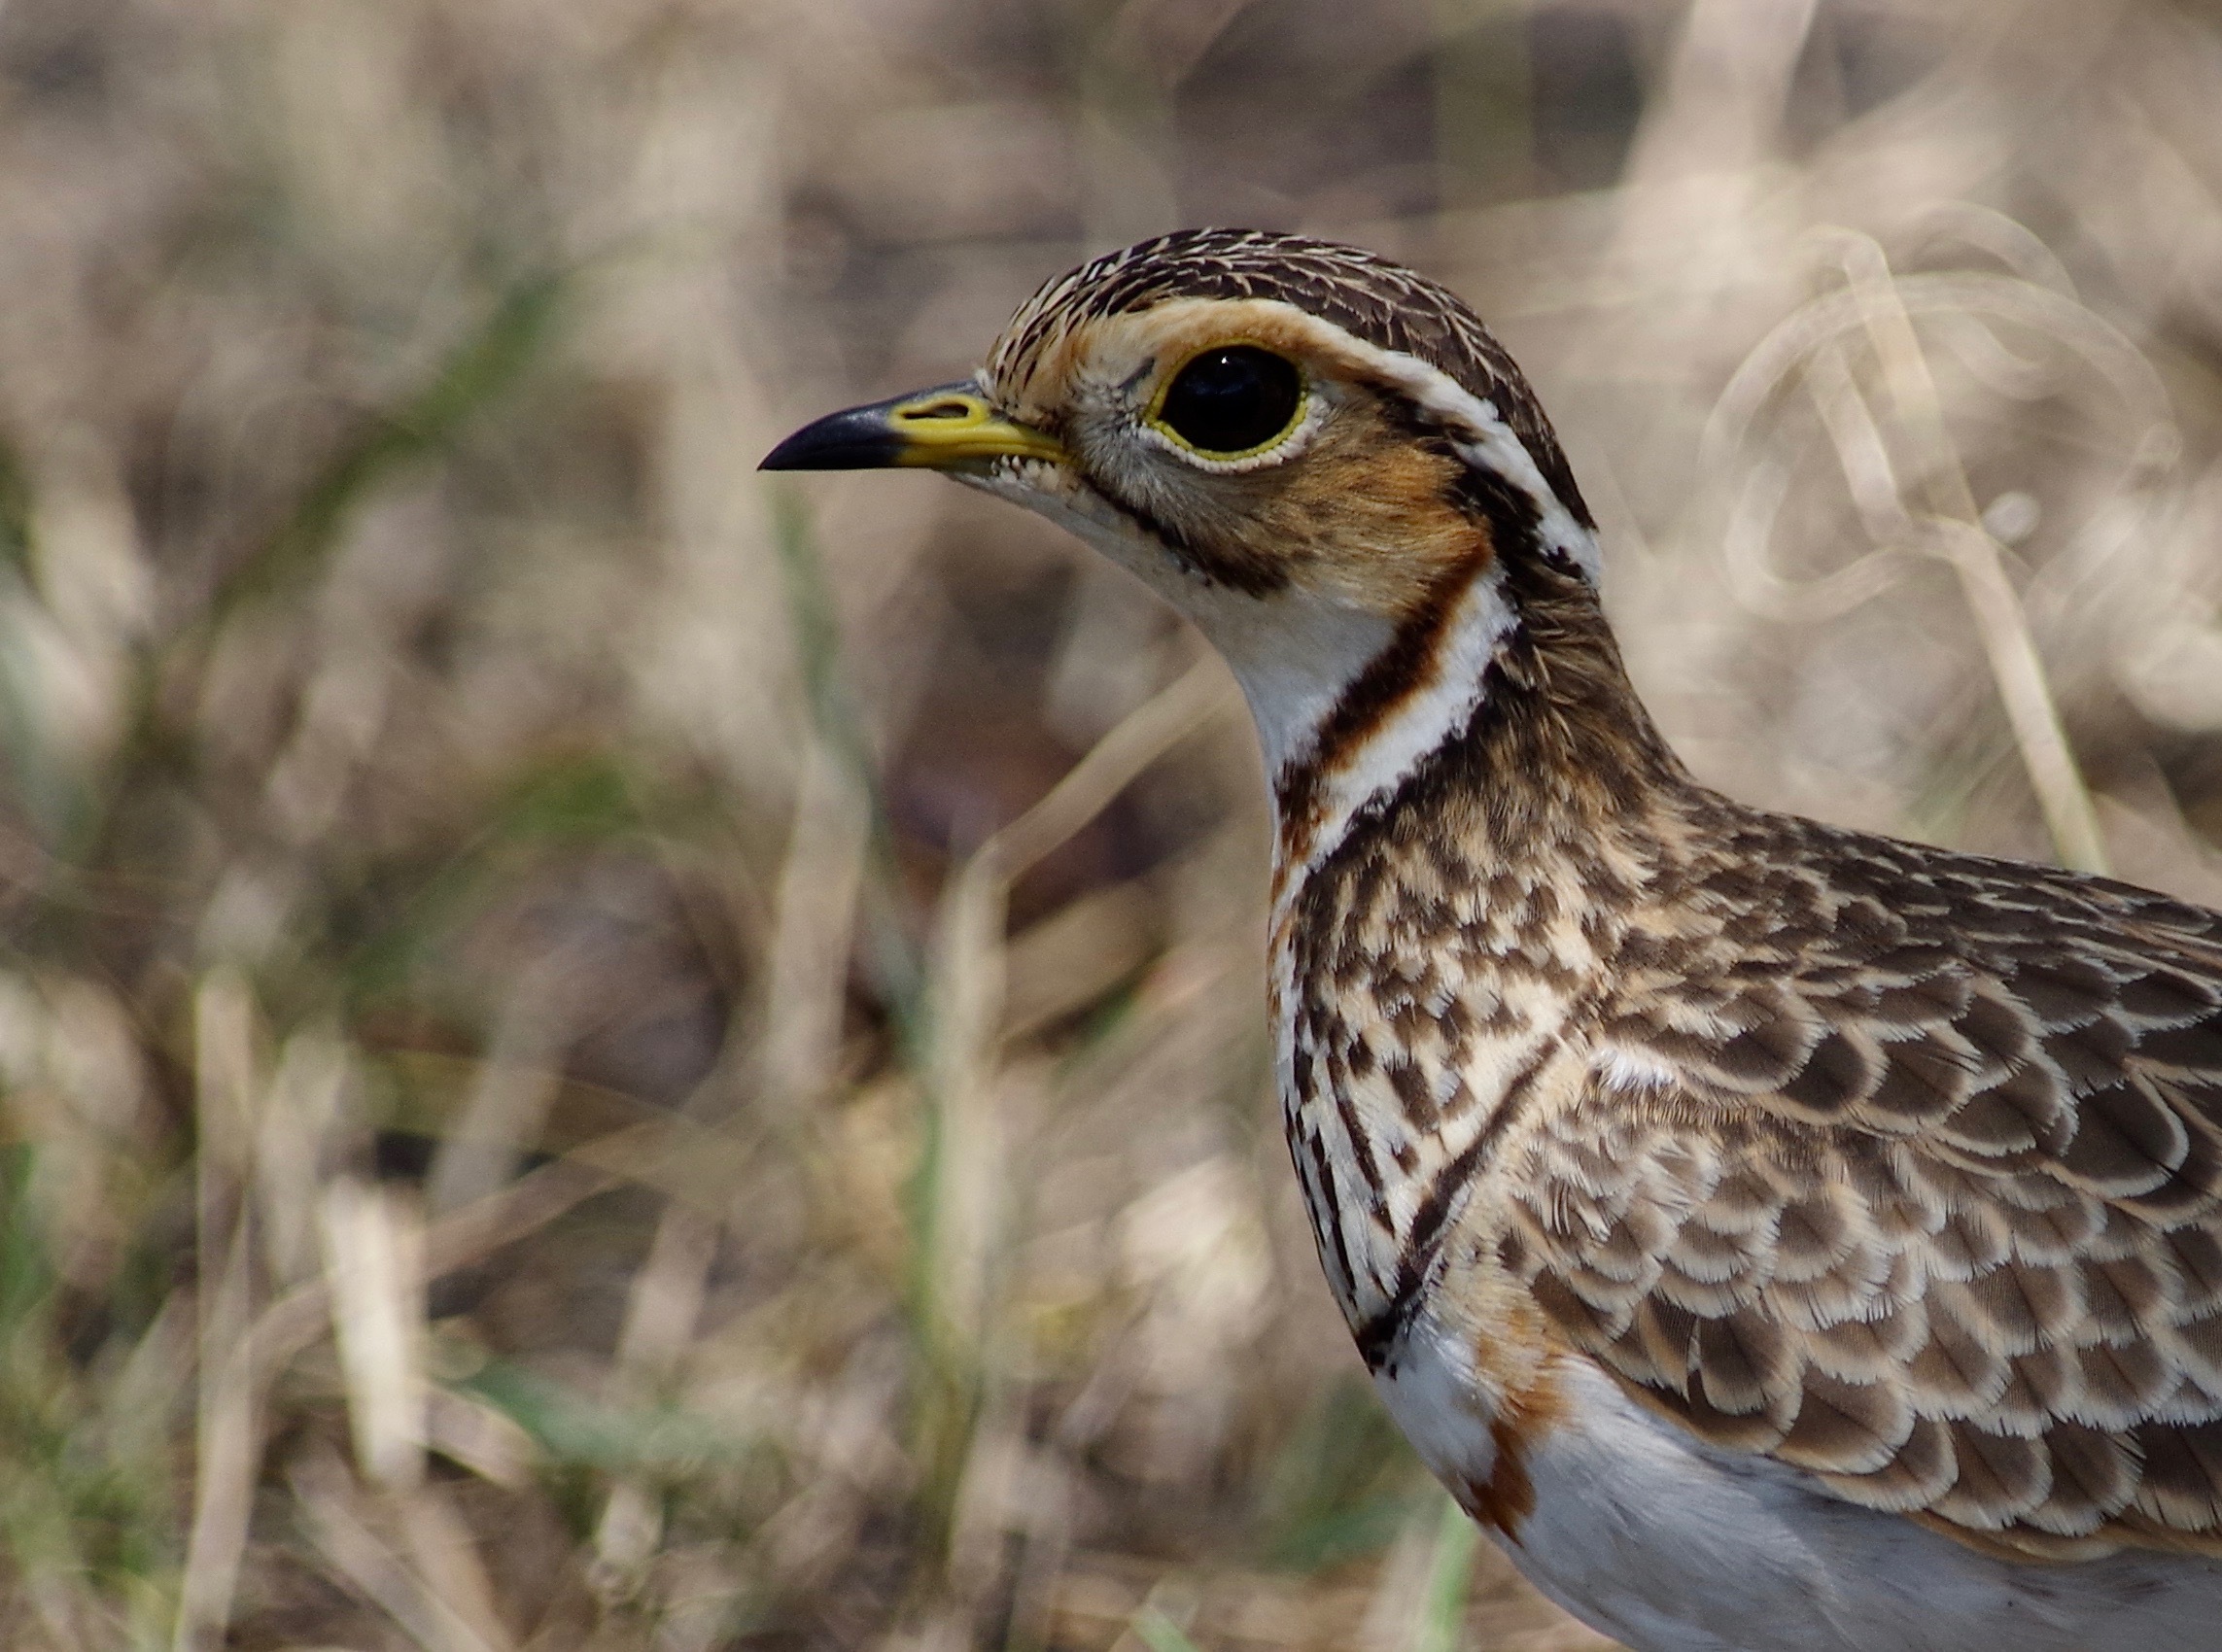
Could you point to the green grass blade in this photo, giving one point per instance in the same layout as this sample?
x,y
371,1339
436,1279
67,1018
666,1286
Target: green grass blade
x,y
486,364
1449,1581
1159,1633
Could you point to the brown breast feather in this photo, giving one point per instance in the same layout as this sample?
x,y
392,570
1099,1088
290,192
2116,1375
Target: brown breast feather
x,y
1927,1195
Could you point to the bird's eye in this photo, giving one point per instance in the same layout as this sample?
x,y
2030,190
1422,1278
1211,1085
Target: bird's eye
x,y
1232,400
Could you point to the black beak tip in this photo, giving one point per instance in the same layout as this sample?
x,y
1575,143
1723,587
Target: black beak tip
x,y
857,439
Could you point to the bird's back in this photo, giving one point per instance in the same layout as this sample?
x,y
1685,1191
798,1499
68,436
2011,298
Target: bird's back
x,y
1866,1195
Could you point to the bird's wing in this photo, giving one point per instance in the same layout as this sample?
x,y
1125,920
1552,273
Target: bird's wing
x,y
1915,1183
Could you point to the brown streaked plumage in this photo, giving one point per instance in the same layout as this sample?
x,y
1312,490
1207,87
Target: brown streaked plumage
x,y
1778,1235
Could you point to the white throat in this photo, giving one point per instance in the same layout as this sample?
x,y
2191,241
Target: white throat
x,y
1298,656
1293,698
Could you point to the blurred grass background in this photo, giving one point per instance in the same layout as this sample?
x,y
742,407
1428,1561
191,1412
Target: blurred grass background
x,y
596,1052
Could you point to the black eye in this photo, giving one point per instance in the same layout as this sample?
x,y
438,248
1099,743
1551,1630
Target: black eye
x,y
1232,400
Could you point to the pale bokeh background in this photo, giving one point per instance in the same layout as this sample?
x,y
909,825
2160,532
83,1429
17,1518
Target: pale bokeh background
x,y
598,1052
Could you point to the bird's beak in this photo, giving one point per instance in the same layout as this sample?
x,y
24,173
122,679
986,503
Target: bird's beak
x,y
949,428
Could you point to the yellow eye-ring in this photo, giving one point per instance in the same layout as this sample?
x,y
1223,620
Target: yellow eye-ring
x,y
1230,400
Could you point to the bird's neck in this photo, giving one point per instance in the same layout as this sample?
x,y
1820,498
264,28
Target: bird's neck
x,y
1429,941
1503,715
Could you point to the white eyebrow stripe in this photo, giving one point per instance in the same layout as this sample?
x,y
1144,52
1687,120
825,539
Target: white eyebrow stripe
x,y
1484,437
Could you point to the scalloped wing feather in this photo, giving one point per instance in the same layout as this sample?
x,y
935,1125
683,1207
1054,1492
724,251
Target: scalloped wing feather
x,y
1911,1178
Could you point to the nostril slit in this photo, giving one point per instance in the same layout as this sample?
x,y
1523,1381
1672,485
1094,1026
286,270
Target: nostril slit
x,y
940,410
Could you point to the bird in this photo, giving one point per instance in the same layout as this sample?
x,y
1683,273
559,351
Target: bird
x,y
1778,1237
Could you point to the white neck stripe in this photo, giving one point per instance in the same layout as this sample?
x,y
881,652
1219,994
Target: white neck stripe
x,y
1436,709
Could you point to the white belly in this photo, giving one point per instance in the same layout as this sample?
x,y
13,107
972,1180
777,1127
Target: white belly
x,y
1669,1545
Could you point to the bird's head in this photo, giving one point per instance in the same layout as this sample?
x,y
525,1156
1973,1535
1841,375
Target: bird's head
x,y
1321,458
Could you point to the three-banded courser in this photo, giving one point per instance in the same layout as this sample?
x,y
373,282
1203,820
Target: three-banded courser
x,y
1778,1237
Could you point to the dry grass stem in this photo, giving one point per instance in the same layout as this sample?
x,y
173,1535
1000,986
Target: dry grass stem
x,y
1974,556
